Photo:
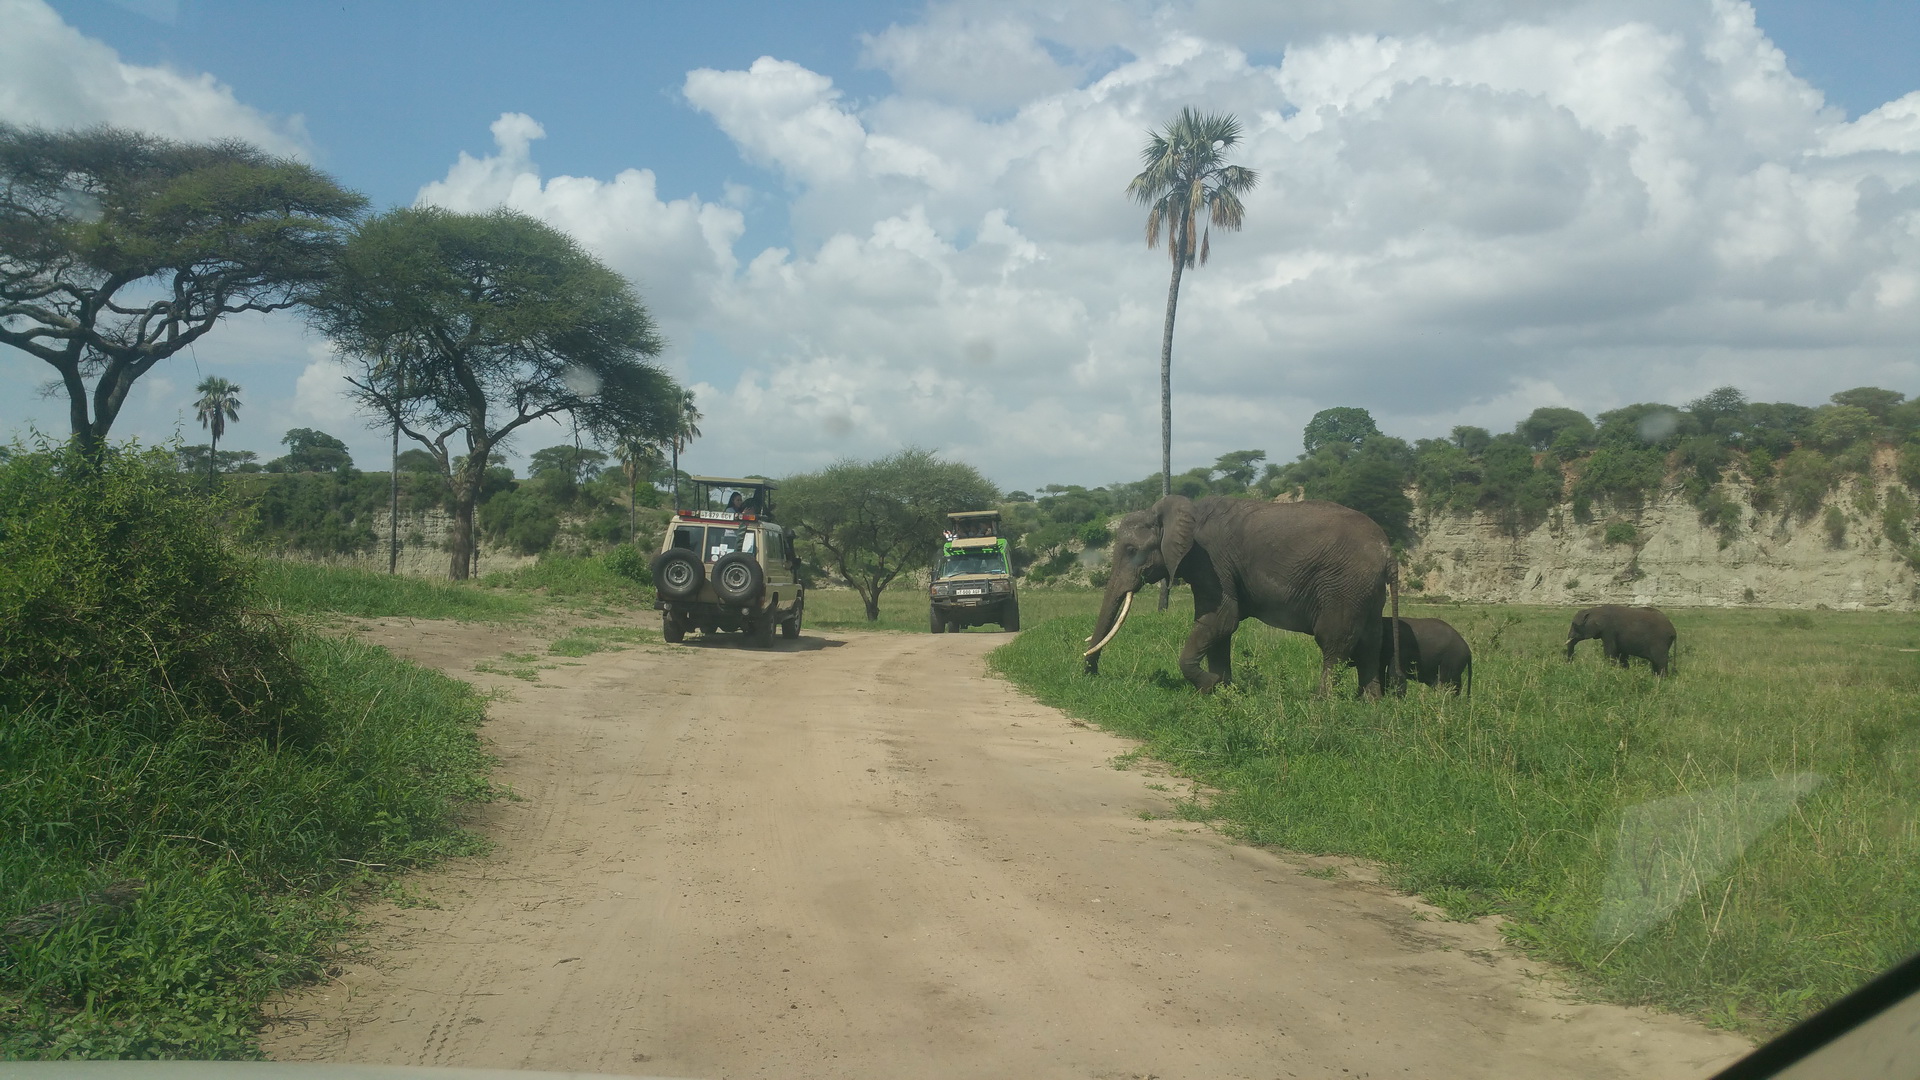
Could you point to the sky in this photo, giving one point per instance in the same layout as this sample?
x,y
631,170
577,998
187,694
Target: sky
x,y
868,225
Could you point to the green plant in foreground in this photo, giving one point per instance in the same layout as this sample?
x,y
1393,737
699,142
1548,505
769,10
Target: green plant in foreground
x,y
248,776
1515,802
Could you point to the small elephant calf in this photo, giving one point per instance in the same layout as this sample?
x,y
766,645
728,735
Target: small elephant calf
x,y
1625,632
1431,651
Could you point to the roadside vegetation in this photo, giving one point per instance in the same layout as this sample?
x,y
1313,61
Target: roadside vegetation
x,y
197,786
1783,871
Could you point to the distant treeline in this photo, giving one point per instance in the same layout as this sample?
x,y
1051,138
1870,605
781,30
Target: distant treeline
x,y
1793,456
314,501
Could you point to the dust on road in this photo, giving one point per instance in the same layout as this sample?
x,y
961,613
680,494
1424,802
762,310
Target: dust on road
x,y
857,855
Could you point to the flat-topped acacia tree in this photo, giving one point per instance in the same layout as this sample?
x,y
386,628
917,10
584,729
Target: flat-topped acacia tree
x,y
119,249
461,329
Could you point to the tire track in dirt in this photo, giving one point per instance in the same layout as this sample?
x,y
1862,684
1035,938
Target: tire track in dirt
x,y
855,855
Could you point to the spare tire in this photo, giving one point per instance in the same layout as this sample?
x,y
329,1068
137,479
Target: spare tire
x,y
676,574
738,579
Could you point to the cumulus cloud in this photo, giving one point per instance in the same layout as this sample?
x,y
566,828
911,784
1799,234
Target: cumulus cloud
x,y
675,251
1465,212
53,76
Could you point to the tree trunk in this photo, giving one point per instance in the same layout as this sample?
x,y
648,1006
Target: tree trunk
x,y
872,603
466,492
1166,390
213,457
392,508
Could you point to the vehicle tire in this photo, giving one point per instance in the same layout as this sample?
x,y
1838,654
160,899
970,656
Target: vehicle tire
x,y
676,574
738,579
935,623
791,628
672,629
1010,617
760,634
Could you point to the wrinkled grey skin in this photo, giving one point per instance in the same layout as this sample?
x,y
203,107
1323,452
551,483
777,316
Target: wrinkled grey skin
x,y
1625,632
1433,652
1312,567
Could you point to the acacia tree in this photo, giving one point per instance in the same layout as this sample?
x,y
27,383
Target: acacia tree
x,y
1186,177
465,328
219,402
873,521
119,249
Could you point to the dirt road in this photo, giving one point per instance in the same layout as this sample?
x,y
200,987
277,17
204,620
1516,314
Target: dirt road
x,y
858,856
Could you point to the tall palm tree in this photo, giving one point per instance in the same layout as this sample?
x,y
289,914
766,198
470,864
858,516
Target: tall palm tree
x,y
634,455
1186,177
219,402
686,429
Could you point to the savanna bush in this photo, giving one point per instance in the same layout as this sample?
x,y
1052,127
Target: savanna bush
x,y
627,561
120,585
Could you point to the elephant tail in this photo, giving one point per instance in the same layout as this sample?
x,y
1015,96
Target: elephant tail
x,y
1393,590
1469,678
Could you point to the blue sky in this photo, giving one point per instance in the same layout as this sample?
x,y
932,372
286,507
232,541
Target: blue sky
x,y
870,224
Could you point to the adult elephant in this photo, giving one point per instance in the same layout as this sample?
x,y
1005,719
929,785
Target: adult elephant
x,y
1625,632
1433,652
1312,567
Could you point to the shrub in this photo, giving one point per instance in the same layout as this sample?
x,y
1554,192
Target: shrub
x,y
1835,522
630,563
1622,532
1095,534
1722,515
1805,477
121,586
1896,516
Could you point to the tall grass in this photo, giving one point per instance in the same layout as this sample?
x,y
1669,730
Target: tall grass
x,y
1539,798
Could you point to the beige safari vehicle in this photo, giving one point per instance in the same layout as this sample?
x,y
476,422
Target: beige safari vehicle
x,y
725,564
973,581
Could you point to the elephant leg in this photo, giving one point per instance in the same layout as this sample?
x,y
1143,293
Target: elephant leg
x,y
1220,659
1210,630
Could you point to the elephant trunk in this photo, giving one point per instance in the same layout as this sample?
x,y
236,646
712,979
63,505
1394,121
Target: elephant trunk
x,y
1126,604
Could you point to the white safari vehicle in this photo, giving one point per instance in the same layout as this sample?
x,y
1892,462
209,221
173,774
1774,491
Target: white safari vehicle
x,y
724,564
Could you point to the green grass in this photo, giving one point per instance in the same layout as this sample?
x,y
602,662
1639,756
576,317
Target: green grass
x,y
586,640
1516,802
251,851
572,580
905,609
310,588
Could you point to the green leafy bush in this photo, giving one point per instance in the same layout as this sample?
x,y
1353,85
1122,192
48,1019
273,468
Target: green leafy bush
x,y
235,779
1835,522
1805,478
629,562
1622,532
120,586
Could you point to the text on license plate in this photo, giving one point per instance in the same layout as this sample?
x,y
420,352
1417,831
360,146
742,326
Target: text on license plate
x,y
968,592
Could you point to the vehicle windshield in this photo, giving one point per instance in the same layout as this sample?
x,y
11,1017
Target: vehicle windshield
x,y
974,562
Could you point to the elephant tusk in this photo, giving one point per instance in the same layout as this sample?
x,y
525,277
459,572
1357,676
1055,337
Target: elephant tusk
x,y
1124,605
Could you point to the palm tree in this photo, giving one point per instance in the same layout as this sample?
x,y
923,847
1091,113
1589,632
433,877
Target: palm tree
x,y
686,429
634,454
219,402
1186,175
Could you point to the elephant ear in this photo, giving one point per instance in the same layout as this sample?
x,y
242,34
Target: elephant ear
x,y
1176,530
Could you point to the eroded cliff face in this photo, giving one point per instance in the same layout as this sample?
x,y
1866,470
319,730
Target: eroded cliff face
x,y
1772,560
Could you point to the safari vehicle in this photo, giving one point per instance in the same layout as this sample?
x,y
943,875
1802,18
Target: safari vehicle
x,y
724,564
973,582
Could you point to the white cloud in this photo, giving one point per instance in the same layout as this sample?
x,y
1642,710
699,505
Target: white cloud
x,y
675,251
1463,214
53,76
319,394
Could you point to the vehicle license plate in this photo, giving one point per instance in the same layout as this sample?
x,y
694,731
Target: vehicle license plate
x,y
968,592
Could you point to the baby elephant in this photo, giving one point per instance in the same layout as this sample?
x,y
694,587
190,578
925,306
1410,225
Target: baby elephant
x,y
1431,651
1624,632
